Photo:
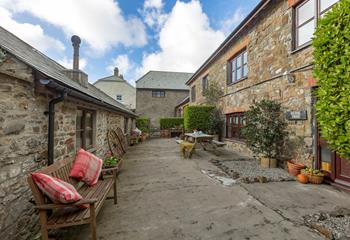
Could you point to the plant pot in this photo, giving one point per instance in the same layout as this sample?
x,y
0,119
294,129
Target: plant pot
x,y
294,168
119,165
302,178
268,162
316,179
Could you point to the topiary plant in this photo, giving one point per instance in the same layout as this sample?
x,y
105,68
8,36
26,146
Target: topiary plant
x,y
265,129
332,70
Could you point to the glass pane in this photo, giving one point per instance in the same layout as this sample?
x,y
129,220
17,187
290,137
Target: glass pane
x,y
78,140
239,61
233,75
239,73
326,158
235,120
88,139
79,119
324,4
305,33
242,120
305,12
88,120
245,70
245,57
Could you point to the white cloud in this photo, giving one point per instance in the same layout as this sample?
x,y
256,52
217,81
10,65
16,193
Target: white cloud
x,y
100,23
68,63
123,63
228,25
32,34
153,13
186,40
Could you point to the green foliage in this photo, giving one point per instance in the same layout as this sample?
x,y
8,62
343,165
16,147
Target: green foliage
x,y
143,124
265,129
197,117
332,71
110,161
174,122
212,94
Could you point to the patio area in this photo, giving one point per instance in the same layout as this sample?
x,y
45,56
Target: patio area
x,y
163,196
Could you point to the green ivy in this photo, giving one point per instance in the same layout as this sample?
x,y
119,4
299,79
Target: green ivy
x,y
198,117
143,124
265,129
174,122
332,70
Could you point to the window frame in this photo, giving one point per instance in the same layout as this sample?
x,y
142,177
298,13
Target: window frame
x,y
233,71
157,93
295,21
121,97
205,83
83,129
193,93
231,127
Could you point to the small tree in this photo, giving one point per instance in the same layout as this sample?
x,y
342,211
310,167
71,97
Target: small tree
x,y
212,95
265,129
332,57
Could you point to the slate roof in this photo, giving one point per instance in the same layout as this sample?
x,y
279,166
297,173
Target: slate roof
x,y
112,78
52,69
164,80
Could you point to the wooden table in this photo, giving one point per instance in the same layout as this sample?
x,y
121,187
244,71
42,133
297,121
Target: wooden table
x,y
200,138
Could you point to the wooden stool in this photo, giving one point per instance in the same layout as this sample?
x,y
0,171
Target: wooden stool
x,y
187,148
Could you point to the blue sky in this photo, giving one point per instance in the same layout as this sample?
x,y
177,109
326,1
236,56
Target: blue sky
x,y
134,35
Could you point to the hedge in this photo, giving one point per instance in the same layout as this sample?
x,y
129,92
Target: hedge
x,y
331,44
197,117
173,122
143,124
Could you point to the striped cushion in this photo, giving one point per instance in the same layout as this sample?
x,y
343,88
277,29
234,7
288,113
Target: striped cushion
x,y
56,189
87,167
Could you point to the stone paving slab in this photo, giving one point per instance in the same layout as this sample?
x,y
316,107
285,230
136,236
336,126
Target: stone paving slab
x,y
163,196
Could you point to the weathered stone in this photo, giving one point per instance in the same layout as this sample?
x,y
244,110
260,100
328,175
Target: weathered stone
x,y
13,127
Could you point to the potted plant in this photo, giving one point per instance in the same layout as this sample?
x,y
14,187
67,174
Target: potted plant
x,y
111,161
265,131
315,176
295,146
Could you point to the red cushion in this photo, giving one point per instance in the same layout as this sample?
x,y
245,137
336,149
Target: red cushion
x,y
87,167
56,189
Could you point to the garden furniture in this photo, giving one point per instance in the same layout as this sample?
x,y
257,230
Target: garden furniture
x,y
199,138
55,215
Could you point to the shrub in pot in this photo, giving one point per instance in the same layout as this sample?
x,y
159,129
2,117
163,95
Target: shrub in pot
x,y
265,131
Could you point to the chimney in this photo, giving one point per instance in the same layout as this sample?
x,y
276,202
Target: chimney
x,y
116,72
121,76
75,74
76,44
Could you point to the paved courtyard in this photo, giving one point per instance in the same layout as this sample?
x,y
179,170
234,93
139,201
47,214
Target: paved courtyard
x,y
163,196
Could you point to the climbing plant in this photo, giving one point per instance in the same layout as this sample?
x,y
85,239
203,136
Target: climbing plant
x,y
332,70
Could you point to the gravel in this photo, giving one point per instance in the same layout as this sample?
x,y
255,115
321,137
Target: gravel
x,y
334,225
250,171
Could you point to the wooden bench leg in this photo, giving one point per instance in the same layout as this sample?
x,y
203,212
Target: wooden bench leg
x,y
43,223
93,221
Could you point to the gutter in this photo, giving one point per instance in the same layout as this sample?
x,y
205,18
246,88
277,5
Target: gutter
x,y
262,4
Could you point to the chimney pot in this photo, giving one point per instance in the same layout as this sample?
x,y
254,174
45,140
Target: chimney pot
x,y
121,76
76,44
116,72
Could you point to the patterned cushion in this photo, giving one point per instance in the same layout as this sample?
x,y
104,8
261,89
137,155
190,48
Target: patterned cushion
x,y
56,189
87,167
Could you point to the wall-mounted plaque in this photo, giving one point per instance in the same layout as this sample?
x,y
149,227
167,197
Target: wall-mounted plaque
x,y
296,115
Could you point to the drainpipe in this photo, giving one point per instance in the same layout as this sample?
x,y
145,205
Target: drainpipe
x,y
51,128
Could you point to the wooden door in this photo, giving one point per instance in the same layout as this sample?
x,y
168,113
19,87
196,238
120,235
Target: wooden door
x,y
342,169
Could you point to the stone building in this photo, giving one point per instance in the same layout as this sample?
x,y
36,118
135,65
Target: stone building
x,y
179,109
158,93
118,88
269,56
47,113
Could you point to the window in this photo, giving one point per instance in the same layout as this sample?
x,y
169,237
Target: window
x,y
85,131
306,16
193,93
205,83
237,67
234,123
158,93
119,97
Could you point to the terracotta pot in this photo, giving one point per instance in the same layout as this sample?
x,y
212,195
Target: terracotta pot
x,y
268,162
302,178
294,168
315,179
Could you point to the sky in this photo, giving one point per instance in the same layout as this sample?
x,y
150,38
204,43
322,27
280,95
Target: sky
x,y
134,35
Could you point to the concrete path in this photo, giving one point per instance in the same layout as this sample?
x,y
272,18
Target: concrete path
x,y
163,196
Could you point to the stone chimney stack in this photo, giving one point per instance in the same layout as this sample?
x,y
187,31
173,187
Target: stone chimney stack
x,y
76,44
75,74
116,72
121,76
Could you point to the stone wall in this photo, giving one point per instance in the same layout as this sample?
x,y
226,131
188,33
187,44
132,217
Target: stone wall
x,y
268,40
23,143
156,108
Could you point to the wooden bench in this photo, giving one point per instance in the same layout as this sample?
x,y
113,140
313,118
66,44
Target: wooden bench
x,y
217,143
179,141
53,216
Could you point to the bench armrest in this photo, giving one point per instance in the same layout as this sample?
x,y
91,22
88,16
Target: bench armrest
x,y
58,205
